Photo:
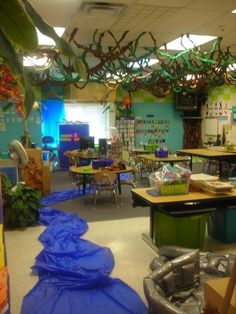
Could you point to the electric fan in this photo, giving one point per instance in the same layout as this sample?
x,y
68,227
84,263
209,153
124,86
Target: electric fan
x,y
18,154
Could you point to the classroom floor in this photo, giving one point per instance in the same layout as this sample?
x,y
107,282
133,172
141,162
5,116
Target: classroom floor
x,y
118,227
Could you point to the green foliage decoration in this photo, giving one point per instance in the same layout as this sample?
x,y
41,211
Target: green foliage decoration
x,y
20,204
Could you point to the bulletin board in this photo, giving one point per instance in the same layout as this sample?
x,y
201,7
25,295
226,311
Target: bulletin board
x,y
12,126
159,121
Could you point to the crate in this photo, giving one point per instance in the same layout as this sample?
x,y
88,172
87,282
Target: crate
x,y
221,225
186,231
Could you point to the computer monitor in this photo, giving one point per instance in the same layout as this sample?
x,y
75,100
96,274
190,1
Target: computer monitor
x,y
86,142
102,146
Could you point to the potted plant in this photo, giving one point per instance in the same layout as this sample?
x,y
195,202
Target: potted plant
x,y
20,204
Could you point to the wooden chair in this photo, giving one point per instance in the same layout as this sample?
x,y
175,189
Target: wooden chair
x,y
105,181
75,179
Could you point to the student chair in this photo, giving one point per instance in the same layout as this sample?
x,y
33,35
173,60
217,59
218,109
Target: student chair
x,y
105,181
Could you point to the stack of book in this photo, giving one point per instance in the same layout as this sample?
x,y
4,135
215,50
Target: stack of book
x,y
216,187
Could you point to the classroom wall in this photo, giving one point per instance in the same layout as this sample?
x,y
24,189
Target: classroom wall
x,y
158,114
144,104
12,125
218,114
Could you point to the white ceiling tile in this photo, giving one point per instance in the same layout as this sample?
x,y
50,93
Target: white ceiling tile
x,y
169,3
213,5
166,19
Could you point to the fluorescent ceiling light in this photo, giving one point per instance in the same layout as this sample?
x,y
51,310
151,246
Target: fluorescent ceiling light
x,y
188,42
35,61
143,63
233,11
47,41
231,67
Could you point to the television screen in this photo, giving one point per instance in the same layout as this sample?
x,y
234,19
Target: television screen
x,y
185,101
86,142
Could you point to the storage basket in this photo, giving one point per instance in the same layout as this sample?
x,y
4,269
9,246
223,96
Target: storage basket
x,y
101,163
161,153
169,187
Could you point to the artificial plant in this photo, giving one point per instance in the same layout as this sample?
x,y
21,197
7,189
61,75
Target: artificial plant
x,y
20,204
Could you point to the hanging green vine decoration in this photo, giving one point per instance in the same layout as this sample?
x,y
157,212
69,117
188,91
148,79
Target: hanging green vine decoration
x,y
126,64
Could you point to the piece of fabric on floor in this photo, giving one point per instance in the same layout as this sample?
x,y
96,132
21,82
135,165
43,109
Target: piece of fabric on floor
x,y
87,261
57,295
63,229
47,215
74,273
61,196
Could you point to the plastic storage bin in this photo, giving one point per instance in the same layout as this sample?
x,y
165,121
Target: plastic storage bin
x,y
101,163
221,225
174,187
161,153
186,231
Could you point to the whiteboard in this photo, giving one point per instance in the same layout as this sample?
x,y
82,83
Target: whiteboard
x,y
214,127
211,127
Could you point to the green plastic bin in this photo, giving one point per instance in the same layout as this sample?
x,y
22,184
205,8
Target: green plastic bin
x,y
221,225
186,231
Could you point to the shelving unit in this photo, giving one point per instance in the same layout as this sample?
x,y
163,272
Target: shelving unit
x,y
126,130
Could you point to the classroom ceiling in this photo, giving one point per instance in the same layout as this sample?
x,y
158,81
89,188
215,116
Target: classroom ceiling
x,y
165,19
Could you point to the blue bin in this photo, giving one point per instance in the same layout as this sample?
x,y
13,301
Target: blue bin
x,y
101,163
161,153
221,225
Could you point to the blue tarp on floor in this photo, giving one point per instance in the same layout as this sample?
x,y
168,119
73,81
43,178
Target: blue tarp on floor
x,y
63,295
74,273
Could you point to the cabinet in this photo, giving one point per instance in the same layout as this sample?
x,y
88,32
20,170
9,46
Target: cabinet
x,y
69,134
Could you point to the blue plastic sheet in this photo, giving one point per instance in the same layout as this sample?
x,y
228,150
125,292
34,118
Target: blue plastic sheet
x,y
84,260
67,295
47,215
61,196
63,233
74,273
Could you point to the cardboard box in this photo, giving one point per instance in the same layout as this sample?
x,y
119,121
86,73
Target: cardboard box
x,y
214,292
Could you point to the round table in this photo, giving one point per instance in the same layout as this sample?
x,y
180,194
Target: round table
x,y
89,171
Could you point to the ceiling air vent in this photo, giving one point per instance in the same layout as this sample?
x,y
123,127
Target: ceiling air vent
x,y
104,8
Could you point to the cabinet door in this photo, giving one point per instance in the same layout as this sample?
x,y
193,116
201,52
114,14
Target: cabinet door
x,y
69,140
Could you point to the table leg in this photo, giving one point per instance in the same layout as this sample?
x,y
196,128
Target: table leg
x,y
220,169
152,225
84,184
118,183
191,163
